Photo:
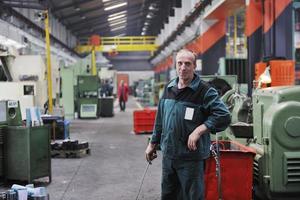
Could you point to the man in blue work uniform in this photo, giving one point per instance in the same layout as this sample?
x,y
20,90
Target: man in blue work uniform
x,y
188,112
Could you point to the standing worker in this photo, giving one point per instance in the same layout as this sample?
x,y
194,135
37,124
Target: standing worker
x,y
188,112
122,95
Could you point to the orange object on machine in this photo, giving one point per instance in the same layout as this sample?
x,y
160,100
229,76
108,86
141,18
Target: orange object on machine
x,y
95,40
282,72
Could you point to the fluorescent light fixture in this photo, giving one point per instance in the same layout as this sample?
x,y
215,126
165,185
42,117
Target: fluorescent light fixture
x,y
143,33
146,23
117,28
115,6
149,16
83,17
118,13
119,20
116,23
123,34
116,17
153,7
105,1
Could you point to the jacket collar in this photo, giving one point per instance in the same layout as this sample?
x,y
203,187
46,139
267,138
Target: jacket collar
x,y
193,85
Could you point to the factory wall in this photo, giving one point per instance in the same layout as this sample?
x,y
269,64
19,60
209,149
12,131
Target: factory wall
x,y
210,58
131,65
137,75
278,28
58,30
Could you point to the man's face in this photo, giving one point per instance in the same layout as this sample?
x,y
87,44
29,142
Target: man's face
x,y
185,66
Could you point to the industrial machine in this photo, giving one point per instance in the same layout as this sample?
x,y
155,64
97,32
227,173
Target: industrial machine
x,y
24,151
87,96
276,125
10,115
269,122
27,153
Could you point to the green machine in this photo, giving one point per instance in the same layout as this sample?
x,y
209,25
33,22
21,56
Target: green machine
x,y
276,125
24,151
269,122
10,115
87,98
27,153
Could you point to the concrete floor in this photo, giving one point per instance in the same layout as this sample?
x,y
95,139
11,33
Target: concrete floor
x,y
115,167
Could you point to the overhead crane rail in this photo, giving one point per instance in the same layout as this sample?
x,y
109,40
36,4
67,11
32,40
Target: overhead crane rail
x,y
121,44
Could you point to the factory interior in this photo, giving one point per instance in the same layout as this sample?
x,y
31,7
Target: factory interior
x,y
81,82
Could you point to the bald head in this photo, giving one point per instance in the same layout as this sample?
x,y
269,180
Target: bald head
x,y
185,66
187,53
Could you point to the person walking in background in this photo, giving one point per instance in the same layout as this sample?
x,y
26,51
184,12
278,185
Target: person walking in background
x,y
122,95
189,110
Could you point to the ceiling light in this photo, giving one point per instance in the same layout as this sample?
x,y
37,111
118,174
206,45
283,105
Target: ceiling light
x,y
149,16
123,34
116,17
118,13
76,8
143,33
83,17
116,23
115,6
153,7
146,23
117,28
105,1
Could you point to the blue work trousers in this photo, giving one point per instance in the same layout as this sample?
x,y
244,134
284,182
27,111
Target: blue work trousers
x,y
182,179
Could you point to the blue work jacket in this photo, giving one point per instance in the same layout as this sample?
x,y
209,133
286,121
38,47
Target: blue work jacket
x,y
180,111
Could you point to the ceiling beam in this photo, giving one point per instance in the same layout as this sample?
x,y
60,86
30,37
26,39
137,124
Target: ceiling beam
x,y
100,22
79,2
78,13
21,1
101,33
28,5
103,28
91,20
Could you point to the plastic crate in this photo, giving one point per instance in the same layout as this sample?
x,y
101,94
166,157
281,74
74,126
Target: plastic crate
x,y
143,120
236,162
282,72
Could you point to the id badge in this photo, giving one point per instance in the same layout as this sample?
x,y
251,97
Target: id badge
x,y
189,113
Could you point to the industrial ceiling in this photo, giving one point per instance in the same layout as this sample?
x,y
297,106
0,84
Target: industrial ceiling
x,y
106,17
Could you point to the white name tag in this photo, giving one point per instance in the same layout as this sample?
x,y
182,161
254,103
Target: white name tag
x,y
189,113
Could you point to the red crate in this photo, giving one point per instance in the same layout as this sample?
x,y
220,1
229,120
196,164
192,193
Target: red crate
x,y
143,120
236,162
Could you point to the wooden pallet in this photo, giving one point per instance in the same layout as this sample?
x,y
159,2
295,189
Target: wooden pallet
x,y
70,153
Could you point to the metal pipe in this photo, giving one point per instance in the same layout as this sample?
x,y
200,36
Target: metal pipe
x,y
94,67
49,73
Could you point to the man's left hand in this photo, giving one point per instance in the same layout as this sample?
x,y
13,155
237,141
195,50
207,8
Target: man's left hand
x,y
195,136
193,139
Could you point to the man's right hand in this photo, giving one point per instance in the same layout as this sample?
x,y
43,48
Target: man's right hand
x,y
151,152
